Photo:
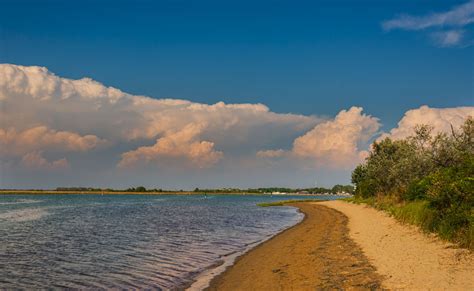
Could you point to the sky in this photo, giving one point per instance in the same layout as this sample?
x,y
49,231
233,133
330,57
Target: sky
x,y
184,94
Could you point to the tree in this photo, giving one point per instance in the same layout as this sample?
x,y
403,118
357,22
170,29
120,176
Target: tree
x,y
437,170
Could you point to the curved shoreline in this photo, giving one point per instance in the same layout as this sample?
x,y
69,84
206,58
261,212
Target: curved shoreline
x,y
305,256
204,280
350,246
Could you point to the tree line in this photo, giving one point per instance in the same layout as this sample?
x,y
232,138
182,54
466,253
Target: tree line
x,y
316,190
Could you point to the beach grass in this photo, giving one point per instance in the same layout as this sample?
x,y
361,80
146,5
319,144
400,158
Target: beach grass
x,y
420,213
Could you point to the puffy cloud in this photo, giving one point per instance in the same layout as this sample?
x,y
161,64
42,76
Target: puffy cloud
x,y
441,119
86,104
36,161
14,143
45,119
32,96
340,142
337,143
175,145
39,83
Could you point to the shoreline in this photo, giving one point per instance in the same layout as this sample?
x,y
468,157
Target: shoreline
x,y
185,193
366,249
292,258
204,279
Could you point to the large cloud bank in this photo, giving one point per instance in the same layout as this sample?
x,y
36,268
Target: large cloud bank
x,y
51,123
42,112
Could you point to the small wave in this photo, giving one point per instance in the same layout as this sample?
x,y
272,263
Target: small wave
x,y
20,201
24,214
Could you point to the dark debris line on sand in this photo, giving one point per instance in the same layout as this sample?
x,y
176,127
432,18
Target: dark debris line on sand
x,y
345,264
315,254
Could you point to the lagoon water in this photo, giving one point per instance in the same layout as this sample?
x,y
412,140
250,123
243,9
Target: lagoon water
x,y
128,241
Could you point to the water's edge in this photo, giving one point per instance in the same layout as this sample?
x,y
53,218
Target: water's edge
x,y
203,279
166,243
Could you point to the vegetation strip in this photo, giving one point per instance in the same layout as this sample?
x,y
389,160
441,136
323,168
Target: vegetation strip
x,y
425,179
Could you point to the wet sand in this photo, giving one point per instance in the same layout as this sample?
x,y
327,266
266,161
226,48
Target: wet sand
x,y
347,246
316,253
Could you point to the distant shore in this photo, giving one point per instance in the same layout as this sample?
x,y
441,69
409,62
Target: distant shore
x,y
52,192
47,192
343,246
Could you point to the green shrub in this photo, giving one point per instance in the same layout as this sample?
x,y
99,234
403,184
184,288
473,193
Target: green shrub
x,y
418,190
424,180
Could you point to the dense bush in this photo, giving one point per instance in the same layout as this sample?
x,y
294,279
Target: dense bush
x,y
427,179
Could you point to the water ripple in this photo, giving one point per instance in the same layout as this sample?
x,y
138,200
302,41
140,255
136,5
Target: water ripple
x,y
123,242
23,214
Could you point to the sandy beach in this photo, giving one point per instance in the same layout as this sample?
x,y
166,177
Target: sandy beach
x,y
403,255
342,245
317,253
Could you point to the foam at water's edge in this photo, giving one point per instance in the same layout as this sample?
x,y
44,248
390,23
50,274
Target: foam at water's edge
x,y
203,280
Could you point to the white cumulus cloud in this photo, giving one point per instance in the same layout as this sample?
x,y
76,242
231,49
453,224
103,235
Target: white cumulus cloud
x,y
441,119
48,122
175,145
57,112
341,142
13,142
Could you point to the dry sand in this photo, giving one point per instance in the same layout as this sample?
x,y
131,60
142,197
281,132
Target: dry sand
x,y
346,246
315,254
407,258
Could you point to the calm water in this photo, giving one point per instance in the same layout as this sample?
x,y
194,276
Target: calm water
x,y
127,241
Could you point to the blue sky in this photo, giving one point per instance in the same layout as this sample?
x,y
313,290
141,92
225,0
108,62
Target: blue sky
x,y
311,58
